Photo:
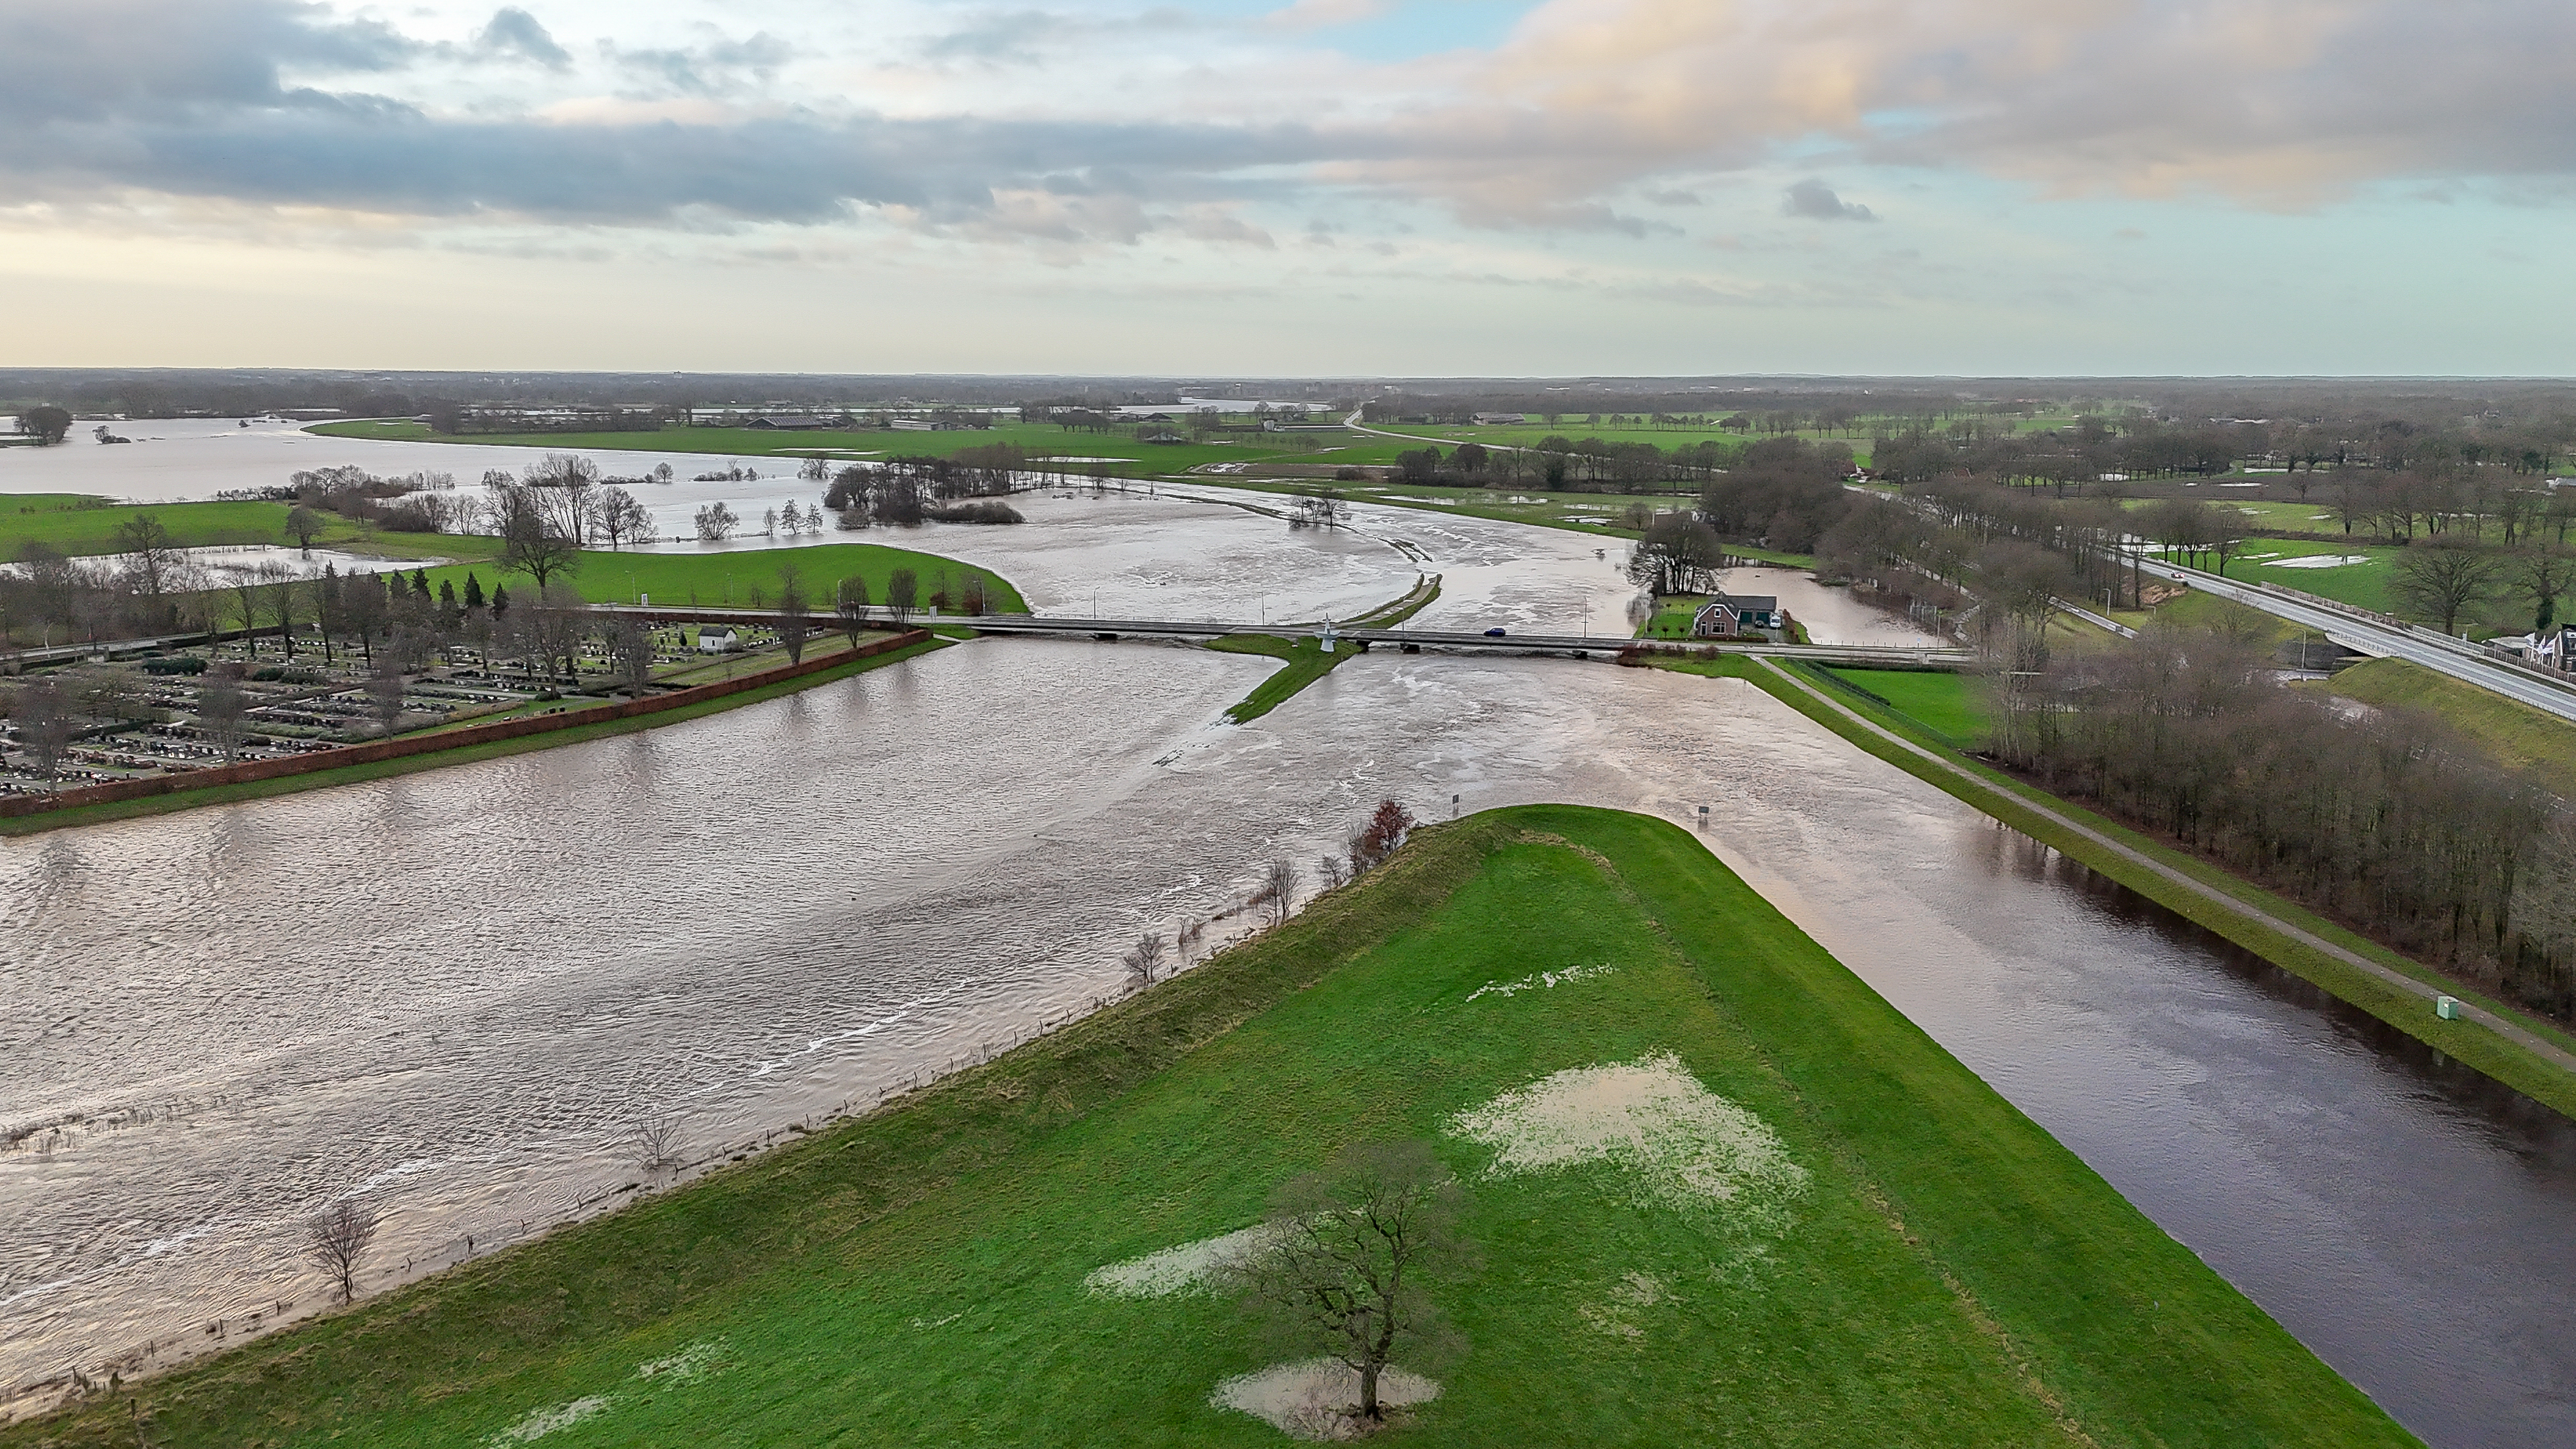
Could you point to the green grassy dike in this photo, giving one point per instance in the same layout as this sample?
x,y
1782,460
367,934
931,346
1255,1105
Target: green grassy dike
x,y
2253,928
440,759
1946,1274
1306,659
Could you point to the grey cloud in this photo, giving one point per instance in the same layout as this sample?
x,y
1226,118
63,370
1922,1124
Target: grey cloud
x,y
1020,37
195,108
145,58
1816,201
1010,37
515,32
713,69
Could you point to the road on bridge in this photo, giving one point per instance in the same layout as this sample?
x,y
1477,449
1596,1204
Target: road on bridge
x,y
2455,657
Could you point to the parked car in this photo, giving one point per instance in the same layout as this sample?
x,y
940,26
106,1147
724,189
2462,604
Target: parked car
x,y
1494,634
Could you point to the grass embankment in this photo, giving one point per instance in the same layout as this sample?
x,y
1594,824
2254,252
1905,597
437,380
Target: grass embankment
x,y
2255,927
1306,659
1947,1273
1306,662
1945,706
79,526
749,577
468,754
2515,734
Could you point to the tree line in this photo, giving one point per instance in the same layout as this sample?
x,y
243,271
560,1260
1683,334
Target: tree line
x,y
2387,820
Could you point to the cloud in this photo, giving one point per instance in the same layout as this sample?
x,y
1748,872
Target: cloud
x,y
717,68
1316,14
513,32
141,58
1816,201
2275,102
1585,103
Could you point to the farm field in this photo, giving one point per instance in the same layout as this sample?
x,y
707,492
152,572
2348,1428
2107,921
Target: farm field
x,y
1950,707
79,526
1821,1229
747,578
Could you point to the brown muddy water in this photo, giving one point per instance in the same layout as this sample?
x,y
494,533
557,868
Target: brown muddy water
x,y
459,992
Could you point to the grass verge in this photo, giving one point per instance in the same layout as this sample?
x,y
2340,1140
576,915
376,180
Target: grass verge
x,y
1306,663
467,754
2256,927
2514,733
1939,1271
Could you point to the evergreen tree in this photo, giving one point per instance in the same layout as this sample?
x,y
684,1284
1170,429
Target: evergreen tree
x,y
420,582
473,591
500,601
447,595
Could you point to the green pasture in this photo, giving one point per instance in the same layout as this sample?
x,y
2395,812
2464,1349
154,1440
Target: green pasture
x,y
1948,706
1930,1268
79,526
744,578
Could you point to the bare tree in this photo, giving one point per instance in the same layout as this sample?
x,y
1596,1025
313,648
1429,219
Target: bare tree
x,y
623,518
1331,869
657,1143
304,525
1342,1259
533,541
221,703
41,717
283,599
2442,578
630,644
568,497
1377,840
1143,961
795,615
336,1238
716,522
1278,890
851,603
2544,573
152,557
903,591
385,689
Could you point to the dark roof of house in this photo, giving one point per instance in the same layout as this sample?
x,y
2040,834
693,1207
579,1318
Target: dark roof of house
x,y
799,424
1750,603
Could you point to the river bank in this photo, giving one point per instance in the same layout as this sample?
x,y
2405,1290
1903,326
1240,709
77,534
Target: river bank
x,y
1918,1232
2530,1055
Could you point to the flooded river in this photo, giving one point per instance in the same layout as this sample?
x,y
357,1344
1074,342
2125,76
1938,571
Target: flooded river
x,y
750,919
223,1018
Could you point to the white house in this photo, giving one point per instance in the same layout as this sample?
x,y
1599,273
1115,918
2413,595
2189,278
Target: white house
x,y
716,639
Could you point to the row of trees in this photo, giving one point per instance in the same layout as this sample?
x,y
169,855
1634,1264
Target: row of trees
x,y
2389,820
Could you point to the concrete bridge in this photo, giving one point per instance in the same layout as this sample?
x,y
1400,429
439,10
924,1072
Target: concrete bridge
x,y
1407,640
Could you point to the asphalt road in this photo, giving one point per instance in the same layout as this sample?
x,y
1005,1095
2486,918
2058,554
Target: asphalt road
x,y
2453,657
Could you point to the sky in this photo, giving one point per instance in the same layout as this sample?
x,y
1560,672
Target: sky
x,y
1314,187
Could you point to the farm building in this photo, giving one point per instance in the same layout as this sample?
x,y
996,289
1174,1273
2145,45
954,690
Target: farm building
x,y
1739,614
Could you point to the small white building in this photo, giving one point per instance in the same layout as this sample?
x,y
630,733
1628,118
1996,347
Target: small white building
x,y
717,639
